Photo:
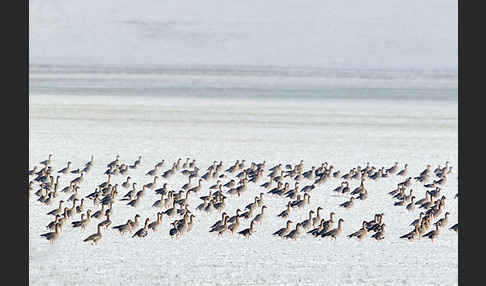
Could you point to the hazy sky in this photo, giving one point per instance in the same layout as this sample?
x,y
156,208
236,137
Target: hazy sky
x,y
385,34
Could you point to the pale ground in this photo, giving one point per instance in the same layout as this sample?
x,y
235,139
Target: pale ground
x,y
345,133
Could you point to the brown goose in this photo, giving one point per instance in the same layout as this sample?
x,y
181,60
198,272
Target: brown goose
x,y
52,236
123,228
94,238
380,235
317,218
433,234
84,221
361,233
57,211
455,227
286,213
155,224
235,225
106,223
306,224
294,234
318,229
334,233
348,204
259,217
247,231
143,231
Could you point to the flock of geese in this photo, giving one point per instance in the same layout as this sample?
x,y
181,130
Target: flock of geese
x,y
230,183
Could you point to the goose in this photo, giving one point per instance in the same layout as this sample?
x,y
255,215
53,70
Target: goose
x,y
57,211
345,188
285,213
123,228
47,162
327,224
348,204
334,233
358,189
317,218
435,193
187,185
191,222
318,229
186,164
376,227
278,188
222,227
422,201
185,200
308,188
246,215
80,208
94,238
134,203
152,172
172,211
159,203
143,231
151,185
106,223
340,187
53,223
84,221
203,205
64,217
404,171
443,221
306,224
294,234
363,194
413,235
159,164
433,234
427,204
221,204
247,231
235,225
155,224
252,205
136,164
49,200
233,218
219,222
173,231
99,213
380,235
392,170
196,188
361,233
66,169
455,227
130,194
210,207
127,183
411,205
52,236
304,202
74,196
216,186
259,217
70,212
162,190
